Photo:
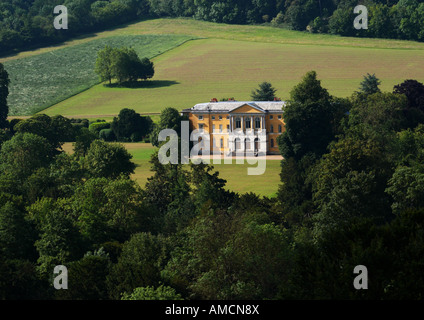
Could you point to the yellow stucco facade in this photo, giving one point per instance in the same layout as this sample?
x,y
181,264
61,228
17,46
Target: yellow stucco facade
x,y
238,126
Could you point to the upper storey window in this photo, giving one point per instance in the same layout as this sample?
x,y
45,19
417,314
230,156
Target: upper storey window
x,y
238,123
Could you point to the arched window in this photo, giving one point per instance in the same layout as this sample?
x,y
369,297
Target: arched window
x,y
256,143
279,128
238,123
271,128
237,144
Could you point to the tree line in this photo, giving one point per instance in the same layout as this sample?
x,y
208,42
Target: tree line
x,y
26,24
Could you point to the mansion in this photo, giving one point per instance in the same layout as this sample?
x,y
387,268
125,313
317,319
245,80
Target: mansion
x,y
239,126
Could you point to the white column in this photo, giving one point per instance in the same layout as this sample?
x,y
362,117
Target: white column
x,y
242,124
251,124
231,124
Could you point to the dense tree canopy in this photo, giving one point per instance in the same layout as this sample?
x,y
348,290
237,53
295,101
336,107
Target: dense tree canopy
x,y
351,193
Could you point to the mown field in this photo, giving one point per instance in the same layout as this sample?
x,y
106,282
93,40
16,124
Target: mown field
x,y
228,61
236,175
39,81
215,68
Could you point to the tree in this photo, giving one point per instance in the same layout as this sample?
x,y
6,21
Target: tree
x,y
23,154
265,92
414,92
108,160
309,90
140,263
104,64
4,92
16,235
88,280
83,141
150,293
130,124
370,85
170,118
122,64
56,130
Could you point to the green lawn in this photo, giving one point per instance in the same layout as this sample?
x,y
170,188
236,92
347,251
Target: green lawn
x,y
235,174
39,81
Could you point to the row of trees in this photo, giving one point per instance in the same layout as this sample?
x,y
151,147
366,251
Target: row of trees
x,y
26,24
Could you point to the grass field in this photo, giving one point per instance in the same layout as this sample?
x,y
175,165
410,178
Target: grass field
x,y
38,81
214,68
229,60
236,175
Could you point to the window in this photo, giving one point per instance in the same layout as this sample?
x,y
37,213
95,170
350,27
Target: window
x,y
271,129
201,126
200,117
220,117
248,123
237,144
279,117
213,128
279,128
213,117
222,143
220,128
271,117
257,122
228,117
272,143
228,128
238,123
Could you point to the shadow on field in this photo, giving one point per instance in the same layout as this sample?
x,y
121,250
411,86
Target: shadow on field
x,y
143,84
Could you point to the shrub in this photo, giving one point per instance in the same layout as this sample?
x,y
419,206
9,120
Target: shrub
x,y
107,135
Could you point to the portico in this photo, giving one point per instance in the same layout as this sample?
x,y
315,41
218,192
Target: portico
x,y
249,126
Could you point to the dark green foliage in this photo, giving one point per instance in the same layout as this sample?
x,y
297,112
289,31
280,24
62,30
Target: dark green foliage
x,y
23,154
414,92
122,64
131,126
150,293
107,135
4,92
139,265
83,140
108,160
56,129
88,279
24,25
369,85
352,196
265,92
170,118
